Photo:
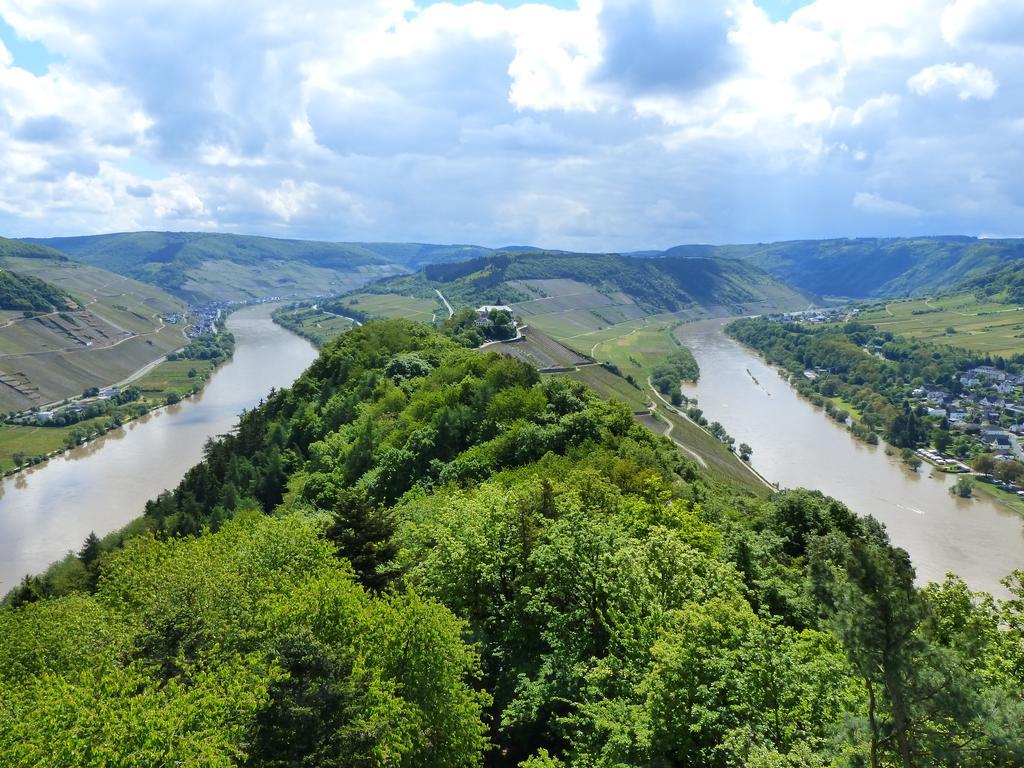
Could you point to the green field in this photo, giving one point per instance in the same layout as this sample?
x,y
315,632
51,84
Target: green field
x,y
31,441
986,327
635,346
317,325
394,305
172,376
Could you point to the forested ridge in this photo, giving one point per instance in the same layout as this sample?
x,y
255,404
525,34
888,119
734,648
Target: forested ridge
x,y
424,555
30,294
656,284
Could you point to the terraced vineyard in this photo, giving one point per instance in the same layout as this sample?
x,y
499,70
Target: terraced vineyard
x,y
115,330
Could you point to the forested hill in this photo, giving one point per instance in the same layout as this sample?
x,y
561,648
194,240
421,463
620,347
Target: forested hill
x,y
868,267
665,284
422,555
23,250
22,292
30,294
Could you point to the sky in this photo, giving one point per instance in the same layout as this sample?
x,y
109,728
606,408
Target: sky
x,y
597,125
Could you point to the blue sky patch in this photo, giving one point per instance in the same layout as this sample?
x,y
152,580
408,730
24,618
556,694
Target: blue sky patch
x,y
27,54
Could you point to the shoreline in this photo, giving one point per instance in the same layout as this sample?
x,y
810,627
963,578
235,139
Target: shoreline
x,y
1004,498
155,409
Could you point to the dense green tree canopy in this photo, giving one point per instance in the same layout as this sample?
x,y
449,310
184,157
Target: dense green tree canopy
x,y
424,555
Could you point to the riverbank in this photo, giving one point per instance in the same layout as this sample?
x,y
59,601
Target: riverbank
x,y
160,383
982,539
104,485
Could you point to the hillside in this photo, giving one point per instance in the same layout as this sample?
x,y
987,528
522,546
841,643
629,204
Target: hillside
x,y
716,286
98,328
871,267
25,293
201,267
423,555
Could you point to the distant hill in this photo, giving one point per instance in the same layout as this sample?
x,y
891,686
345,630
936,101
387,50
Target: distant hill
x,y
723,286
872,267
200,266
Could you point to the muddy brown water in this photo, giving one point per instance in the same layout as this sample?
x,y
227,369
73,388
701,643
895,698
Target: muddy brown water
x,y
797,445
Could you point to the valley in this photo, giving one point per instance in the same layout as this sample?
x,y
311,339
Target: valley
x,y
605,417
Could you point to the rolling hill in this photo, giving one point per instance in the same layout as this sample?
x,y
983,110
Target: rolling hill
x,y
582,281
84,327
872,267
30,294
199,267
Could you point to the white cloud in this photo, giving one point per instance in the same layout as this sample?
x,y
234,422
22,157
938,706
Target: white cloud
x,y
622,124
872,202
968,81
984,22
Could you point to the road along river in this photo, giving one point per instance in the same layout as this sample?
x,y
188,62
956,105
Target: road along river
x,y
50,509
797,445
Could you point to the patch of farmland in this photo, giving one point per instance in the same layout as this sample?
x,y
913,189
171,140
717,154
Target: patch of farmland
x,y
393,305
565,295
541,351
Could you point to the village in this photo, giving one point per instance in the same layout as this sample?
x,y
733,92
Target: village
x,y
201,318
987,411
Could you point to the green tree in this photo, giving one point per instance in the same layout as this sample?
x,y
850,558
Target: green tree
x,y
963,487
985,463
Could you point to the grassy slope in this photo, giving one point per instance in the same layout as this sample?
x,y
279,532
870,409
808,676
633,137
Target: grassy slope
x,y
56,355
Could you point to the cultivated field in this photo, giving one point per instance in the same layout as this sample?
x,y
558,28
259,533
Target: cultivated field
x,y
394,305
541,351
996,329
116,331
172,376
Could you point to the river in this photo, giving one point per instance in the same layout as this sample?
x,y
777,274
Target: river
x,y
797,445
101,486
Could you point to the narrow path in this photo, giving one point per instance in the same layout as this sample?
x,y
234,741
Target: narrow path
x,y
682,415
668,433
451,312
